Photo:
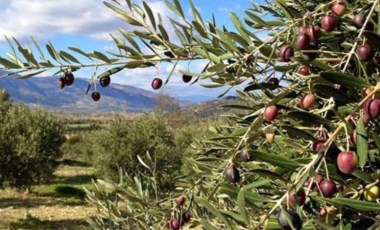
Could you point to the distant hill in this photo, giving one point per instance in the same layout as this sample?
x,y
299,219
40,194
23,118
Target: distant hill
x,y
45,92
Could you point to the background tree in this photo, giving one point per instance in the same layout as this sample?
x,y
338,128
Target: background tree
x,y
306,154
30,145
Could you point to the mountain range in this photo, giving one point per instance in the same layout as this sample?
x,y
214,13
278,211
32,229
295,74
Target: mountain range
x,y
46,93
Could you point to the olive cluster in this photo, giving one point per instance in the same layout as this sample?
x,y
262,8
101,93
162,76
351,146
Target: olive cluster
x,y
182,218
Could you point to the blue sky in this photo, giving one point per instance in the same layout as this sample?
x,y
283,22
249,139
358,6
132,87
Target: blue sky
x,y
87,24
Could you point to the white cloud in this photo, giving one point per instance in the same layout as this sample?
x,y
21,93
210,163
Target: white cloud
x,y
48,18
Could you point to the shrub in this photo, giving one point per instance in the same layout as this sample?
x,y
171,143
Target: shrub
x,y
29,146
123,140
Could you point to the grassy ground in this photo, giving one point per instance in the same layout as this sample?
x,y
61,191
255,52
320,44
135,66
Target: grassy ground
x,y
58,204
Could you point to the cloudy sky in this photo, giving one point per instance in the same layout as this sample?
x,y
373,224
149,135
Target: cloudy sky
x,y
87,24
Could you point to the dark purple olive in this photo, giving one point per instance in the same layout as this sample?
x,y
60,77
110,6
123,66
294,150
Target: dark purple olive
x,y
274,81
105,81
359,20
297,198
186,217
62,82
175,224
289,219
365,52
303,29
69,79
319,145
156,83
328,22
302,41
186,78
328,187
372,108
314,32
353,137
95,96
231,174
286,53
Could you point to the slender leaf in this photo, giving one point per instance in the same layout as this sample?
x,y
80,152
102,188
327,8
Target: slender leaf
x,y
344,79
361,143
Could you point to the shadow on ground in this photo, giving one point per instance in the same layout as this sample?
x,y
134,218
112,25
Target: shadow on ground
x,y
35,223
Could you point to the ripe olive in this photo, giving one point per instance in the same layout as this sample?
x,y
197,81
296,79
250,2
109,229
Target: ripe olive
x,y
328,22
353,137
231,174
372,108
302,41
62,82
156,83
314,32
186,78
328,187
347,162
95,96
286,53
175,224
105,81
365,52
270,113
69,79
304,70
289,219
359,20
180,201
297,198
186,217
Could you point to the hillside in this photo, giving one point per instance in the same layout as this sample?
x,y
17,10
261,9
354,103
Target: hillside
x,y
45,92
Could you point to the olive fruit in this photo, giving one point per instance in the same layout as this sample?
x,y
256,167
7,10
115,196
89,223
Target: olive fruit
x,y
372,108
186,217
274,81
156,83
270,113
69,79
314,32
297,198
303,29
105,81
328,187
364,52
175,224
231,174
359,20
244,155
372,193
180,201
328,22
289,219
186,78
304,70
338,8
310,54
286,53
302,41
319,145
62,82
307,101
347,162
353,137
95,96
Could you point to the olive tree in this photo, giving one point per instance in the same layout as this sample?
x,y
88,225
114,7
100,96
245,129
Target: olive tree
x,y
29,145
304,149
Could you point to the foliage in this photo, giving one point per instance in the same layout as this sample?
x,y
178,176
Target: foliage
x,y
29,145
283,51
123,141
